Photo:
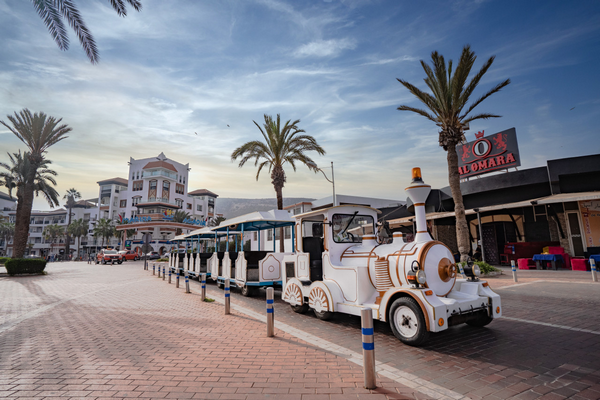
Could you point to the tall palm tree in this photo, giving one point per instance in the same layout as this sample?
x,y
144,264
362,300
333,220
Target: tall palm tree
x,y
71,198
282,145
52,12
53,232
38,132
105,229
446,107
77,229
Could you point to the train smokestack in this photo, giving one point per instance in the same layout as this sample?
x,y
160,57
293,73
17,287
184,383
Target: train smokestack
x,y
418,192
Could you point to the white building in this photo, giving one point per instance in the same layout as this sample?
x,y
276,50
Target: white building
x,y
7,204
156,188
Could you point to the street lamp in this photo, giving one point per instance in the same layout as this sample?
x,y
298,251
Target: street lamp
x,y
332,181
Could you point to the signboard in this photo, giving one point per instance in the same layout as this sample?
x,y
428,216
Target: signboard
x,y
590,214
488,154
128,243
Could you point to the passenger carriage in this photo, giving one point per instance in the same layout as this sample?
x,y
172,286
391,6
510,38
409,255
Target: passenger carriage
x,y
341,267
197,261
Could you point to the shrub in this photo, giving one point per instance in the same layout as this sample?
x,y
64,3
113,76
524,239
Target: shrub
x,y
3,260
17,266
485,267
162,260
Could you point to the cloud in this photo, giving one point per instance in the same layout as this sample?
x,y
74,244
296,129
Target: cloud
x,y
325,48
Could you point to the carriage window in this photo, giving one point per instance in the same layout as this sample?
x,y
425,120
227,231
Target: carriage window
x,y
350,228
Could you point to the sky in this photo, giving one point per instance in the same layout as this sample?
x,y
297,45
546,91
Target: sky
x,y
188,78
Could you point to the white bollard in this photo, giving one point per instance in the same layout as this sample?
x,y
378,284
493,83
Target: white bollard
x,y
169,276
514,270
177,279
593,268
203,293
227,297
153,269
187,283
270,312
368,342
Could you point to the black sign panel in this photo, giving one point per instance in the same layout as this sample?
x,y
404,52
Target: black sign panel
x,y
489,153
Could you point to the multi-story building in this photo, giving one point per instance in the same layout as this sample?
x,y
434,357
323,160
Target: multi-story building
x,y
147,201
41,245
7,204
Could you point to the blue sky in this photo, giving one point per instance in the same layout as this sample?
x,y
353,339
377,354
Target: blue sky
x,y
179,67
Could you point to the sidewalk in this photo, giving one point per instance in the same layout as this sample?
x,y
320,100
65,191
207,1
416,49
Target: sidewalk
x,y
87,331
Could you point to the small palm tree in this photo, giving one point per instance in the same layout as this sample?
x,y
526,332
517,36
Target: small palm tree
x,y
105,229
446,107
180,216
38,132
282,145
7,230
52,12
77,229
53,232
71,198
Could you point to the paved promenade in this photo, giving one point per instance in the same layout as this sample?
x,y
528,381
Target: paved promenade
x,y
87,331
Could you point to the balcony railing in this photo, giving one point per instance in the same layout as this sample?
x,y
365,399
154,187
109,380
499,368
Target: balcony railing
x,y
148,174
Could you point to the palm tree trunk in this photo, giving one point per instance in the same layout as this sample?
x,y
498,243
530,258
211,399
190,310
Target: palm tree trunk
x,y
462,228
23,218
68,243
279,191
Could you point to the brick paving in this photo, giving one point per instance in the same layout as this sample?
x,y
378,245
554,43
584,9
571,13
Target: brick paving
x,y
87,331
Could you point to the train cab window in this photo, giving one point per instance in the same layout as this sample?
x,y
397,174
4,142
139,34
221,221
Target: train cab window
x,y
350,228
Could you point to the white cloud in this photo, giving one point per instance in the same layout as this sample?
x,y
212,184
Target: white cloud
x,y
325,48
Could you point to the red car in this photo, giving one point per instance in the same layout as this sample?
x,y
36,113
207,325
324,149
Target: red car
x,y
129,255
108,257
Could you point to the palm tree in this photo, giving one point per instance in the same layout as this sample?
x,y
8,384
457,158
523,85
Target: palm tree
x,y
52,232
180,216
281,145
105,229
71,197
52,12
38,132
445,108
7,230
77,229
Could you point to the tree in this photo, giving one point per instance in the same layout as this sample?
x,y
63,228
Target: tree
x,y
282,145
105,229
180,216
53,232
7,230
77,229
445,108
38,132
71,197
53,11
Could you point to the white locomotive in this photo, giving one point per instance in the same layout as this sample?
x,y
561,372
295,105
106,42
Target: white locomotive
x,y
340,267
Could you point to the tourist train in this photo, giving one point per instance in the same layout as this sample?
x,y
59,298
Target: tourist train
x,y
337,264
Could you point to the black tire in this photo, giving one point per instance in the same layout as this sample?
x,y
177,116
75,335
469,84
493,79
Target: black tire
x,y
136,258
408,322
247,291
482,320
323,315
97,262
120,262
103,261
220,285
303,309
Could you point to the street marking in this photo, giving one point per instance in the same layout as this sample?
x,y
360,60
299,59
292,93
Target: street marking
x,y
432,390
552,325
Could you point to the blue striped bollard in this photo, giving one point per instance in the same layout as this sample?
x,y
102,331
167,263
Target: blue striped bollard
x,y
164,274
153,269
368,343
270,313
169,275
593,268
514,270
177,279
187,283
227,297
203,280
461,270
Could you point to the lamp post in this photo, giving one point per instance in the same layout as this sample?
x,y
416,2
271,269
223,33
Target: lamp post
x,y
332,181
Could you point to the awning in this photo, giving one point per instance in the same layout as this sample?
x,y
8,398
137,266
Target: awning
x,y
566,197
257,221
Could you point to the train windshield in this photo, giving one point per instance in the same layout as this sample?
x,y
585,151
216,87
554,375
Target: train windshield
x,y
350,228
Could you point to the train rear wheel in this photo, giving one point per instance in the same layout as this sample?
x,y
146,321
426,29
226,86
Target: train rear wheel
x,y
248,291
303,309
408,322
323,315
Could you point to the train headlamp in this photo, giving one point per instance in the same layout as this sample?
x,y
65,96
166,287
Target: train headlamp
x,y
472,271
421,277
416,275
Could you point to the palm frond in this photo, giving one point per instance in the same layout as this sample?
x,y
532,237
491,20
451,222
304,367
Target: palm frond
x,y
51,17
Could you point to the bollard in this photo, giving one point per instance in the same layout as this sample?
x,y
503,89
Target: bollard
x,y
164,273
187,283
203,294
169,276
177,279
153,269
514,270
366,315
270,313
461,270
593,268
227,297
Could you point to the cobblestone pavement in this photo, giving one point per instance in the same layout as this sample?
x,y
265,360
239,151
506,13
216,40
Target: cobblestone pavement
x,y
87,331
96,331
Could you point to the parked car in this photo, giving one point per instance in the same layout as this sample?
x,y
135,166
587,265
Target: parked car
x,y
108,256
153,255
129,255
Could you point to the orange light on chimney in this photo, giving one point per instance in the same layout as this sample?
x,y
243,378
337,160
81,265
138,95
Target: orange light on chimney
x,y
416,174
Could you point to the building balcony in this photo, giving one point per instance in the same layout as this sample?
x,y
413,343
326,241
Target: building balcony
x,y
157,200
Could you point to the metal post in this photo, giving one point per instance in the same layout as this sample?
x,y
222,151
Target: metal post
x,y
177,279
481,236
593,267
153,269
187,283
145,264
203,293
227,296
461,270
333,184
514,270
169,275
368,343
270,313
164,273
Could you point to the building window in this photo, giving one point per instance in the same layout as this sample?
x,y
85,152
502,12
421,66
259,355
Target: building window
x,y
137,185
179,203
123,203
199,207
135,201
153,185
166,185
179,188
189,206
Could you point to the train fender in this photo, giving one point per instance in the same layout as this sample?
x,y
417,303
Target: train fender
x,y
418,295
324,295
294,292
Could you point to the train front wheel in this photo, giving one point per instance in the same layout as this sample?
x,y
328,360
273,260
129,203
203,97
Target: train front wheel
x,y
408,322
300,309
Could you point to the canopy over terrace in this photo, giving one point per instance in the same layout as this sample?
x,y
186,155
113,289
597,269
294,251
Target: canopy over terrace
x,y
258,221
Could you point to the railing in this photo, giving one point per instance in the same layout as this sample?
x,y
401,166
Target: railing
x,y
159,173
